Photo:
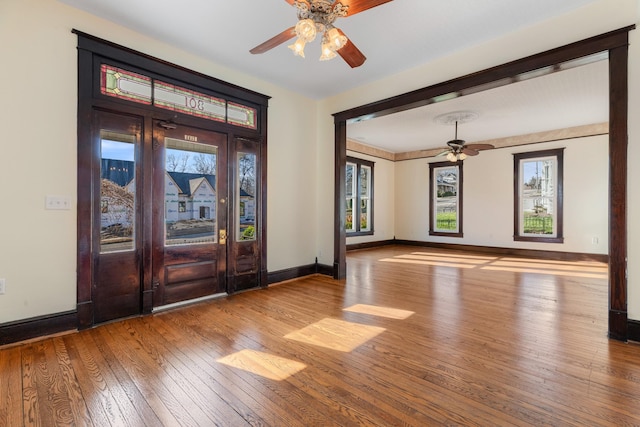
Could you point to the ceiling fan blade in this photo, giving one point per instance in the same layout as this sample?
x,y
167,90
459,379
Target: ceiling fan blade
x,y
287,34
479,146
470,151
290,2
357,6
351,54
443,153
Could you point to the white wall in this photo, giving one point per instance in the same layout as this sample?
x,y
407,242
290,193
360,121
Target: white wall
x,y
383,200
488,198
38,100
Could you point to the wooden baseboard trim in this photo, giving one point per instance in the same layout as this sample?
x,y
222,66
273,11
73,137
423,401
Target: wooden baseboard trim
x,y
633,330
529,253
300,271
35,327
367,245
324,269
291,273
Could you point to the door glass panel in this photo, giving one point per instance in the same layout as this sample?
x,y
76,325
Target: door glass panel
x,y
117,191
246,197
190,192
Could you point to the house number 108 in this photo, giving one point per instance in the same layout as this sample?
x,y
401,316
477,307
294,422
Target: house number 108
x,y
194,103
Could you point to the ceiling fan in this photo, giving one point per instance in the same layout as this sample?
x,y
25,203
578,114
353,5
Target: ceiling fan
x,y
317,17
458,150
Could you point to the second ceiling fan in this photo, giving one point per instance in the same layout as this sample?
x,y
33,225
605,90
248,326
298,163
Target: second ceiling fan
x,y
459,150
316,17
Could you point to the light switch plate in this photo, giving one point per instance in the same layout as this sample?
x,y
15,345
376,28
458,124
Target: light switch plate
x,y
58,202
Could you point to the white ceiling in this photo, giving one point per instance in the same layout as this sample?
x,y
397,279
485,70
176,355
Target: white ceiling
x,y
395,36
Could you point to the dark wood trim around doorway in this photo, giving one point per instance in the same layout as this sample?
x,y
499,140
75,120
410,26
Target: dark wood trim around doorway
x,y
616,44
92,53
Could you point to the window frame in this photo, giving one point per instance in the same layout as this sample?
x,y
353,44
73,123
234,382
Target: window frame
x,y
518,158
433,231
359,164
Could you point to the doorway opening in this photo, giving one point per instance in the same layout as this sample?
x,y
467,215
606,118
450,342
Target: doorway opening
x,y
615,43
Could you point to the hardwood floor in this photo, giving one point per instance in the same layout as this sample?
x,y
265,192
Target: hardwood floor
x,y
412,337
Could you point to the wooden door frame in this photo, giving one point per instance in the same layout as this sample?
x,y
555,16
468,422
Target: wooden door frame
x,y
91,52
616,43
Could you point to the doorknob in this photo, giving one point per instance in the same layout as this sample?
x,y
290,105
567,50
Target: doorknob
x,y
223,237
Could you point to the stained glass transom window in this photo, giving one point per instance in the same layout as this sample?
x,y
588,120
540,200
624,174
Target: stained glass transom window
x,y
240,115
136,87
124,84
186,101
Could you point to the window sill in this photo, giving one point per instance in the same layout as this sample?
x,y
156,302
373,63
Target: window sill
x,y
445,234
359,233
538,239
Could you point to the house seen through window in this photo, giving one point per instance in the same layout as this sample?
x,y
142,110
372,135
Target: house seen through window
x,y
445,195
538,193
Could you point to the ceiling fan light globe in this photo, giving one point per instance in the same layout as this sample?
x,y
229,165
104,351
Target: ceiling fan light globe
x,y
462,156
298,47
452,157
336,39
306,30
327,52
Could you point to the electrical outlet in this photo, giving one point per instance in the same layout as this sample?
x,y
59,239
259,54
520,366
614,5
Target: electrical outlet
x,y
2,286
58,202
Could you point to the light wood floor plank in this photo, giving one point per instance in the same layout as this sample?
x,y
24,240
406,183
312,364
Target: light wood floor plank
x,y
79,411
186,374
31,403
89,379
11,383
114,394
241,395
412,337
292,400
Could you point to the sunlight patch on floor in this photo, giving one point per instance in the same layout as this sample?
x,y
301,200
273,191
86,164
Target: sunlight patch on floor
x,y
335,334
576,264
584,269
374,310
266,365
424,262
553,266
446,259
460,256
571,273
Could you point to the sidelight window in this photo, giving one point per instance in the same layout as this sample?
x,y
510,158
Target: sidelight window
x,y
246,196
117,191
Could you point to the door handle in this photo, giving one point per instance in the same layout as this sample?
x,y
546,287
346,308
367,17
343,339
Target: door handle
x,y
223,237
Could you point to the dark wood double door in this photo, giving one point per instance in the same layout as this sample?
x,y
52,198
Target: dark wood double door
x,y
178,216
